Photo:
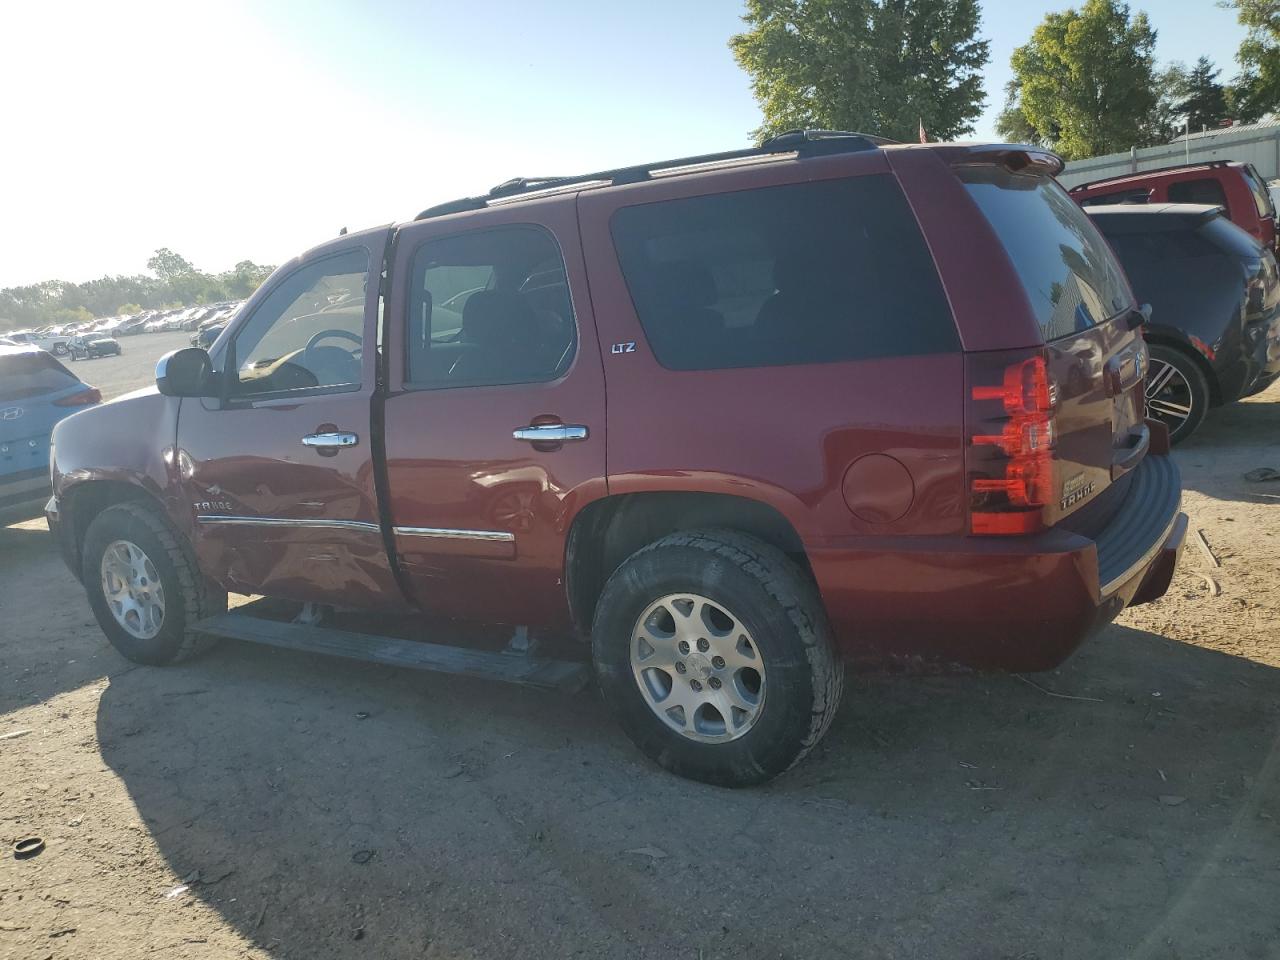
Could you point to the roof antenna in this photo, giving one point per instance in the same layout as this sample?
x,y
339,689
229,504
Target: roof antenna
x,y
342,232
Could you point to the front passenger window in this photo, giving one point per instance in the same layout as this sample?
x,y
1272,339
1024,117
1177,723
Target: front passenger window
x,y
308,332
489,307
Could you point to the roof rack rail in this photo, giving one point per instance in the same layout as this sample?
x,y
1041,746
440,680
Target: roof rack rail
x,y
1142,173
806,143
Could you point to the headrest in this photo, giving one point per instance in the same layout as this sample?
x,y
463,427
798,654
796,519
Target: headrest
x,y
498,316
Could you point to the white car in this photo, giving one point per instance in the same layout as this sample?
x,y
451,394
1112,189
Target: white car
x,y
54,343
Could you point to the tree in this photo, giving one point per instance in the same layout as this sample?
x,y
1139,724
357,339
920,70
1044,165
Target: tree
x,y
1205,102
169,266
128,309
1085,82
878,66
1256,92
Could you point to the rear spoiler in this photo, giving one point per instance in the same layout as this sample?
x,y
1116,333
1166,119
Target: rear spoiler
x,y
1017,157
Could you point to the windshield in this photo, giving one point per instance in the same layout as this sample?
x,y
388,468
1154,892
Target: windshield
x,y
1069,273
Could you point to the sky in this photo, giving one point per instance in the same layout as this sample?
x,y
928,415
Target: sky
x,y
254,129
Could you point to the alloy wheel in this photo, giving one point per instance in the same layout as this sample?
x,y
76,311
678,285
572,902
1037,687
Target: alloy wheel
x,y
1168,394
132,588
698,668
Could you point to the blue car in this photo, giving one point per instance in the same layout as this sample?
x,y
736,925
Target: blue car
x,y
36,391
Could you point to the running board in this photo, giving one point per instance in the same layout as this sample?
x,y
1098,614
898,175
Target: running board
x,y
567,676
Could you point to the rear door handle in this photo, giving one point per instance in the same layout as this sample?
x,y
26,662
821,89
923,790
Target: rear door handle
x,y
551,432
329,441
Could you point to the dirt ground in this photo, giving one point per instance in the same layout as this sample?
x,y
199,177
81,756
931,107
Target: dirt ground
x,y
260,803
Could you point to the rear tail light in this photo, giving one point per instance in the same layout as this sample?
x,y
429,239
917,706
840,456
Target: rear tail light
x,y
1011,435
82,399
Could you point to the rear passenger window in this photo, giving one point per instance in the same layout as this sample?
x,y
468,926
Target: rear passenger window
x,y
489,307
1151,247
1070,275
1198,191
804,273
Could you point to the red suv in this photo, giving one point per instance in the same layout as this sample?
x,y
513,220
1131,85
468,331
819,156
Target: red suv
x,y
1234,186
726,420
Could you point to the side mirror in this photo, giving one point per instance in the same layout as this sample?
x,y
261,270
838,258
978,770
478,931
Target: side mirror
x,y
186,373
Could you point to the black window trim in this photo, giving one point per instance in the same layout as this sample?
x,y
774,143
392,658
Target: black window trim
x,y
245,318
408,384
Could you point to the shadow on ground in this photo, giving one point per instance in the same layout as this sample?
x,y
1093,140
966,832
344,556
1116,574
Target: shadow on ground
x,y
44,613
1233,440
942,817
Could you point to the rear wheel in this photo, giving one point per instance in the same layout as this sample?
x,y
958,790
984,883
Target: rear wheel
x,y
713,650
59,350
1177,392
144,587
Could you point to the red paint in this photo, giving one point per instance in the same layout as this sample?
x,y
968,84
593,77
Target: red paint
x,y
1153,186
865,460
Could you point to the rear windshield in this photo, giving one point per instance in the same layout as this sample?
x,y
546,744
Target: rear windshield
x,y
1229,238
804,273
1069,273
1261,196
26,375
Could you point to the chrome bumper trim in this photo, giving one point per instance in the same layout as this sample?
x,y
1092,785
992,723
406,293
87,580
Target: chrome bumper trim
x,y
1115,583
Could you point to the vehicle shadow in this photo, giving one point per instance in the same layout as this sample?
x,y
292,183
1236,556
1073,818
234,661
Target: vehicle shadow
x,y
1124,803
39,598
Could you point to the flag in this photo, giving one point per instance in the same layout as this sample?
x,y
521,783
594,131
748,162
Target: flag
x,y
924,137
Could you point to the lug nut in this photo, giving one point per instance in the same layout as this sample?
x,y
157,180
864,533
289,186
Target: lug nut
x,y
684,646
703,645
715,683
680,666
718,662
695,684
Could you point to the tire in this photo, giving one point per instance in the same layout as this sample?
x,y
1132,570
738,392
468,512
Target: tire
x,y
186,597
1175,383
765,602
59,350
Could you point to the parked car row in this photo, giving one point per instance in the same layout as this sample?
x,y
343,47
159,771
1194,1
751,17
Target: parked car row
x,y
56,338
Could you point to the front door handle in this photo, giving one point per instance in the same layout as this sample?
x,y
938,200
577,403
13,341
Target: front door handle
x,y
551,432
329,441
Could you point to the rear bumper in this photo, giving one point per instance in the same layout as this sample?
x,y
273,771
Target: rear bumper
x,y
1017,603
22,490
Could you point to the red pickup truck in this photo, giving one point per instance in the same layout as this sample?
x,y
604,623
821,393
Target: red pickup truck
x,y
728,420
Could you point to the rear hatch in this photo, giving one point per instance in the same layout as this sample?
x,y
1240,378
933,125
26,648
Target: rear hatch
x,y
36,391
1077,401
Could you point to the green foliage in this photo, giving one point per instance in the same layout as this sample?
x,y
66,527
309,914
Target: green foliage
x,y
876,66
177,283
1256,92
1205,100
1085,82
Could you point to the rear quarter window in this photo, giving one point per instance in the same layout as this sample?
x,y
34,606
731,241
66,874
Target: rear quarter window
x,y
1070,275
1204,190
828,271
26,375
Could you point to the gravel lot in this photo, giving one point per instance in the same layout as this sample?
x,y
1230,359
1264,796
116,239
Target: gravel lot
x,y
259,803
134,368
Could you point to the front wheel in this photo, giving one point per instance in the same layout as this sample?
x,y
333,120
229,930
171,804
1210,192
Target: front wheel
x,y
1177,392
59,349
714,653
144,587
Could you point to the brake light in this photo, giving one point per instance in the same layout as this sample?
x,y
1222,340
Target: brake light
x,y
1012,434
82,399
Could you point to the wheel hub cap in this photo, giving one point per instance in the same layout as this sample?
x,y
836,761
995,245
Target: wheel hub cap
x,y
132,588
698,668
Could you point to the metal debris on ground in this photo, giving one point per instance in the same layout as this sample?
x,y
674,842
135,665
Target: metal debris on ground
x,y
1203,544
649,851
362,856
1262,474
1171,799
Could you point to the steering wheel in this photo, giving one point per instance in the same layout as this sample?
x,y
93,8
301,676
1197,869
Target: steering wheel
x,y
336,365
